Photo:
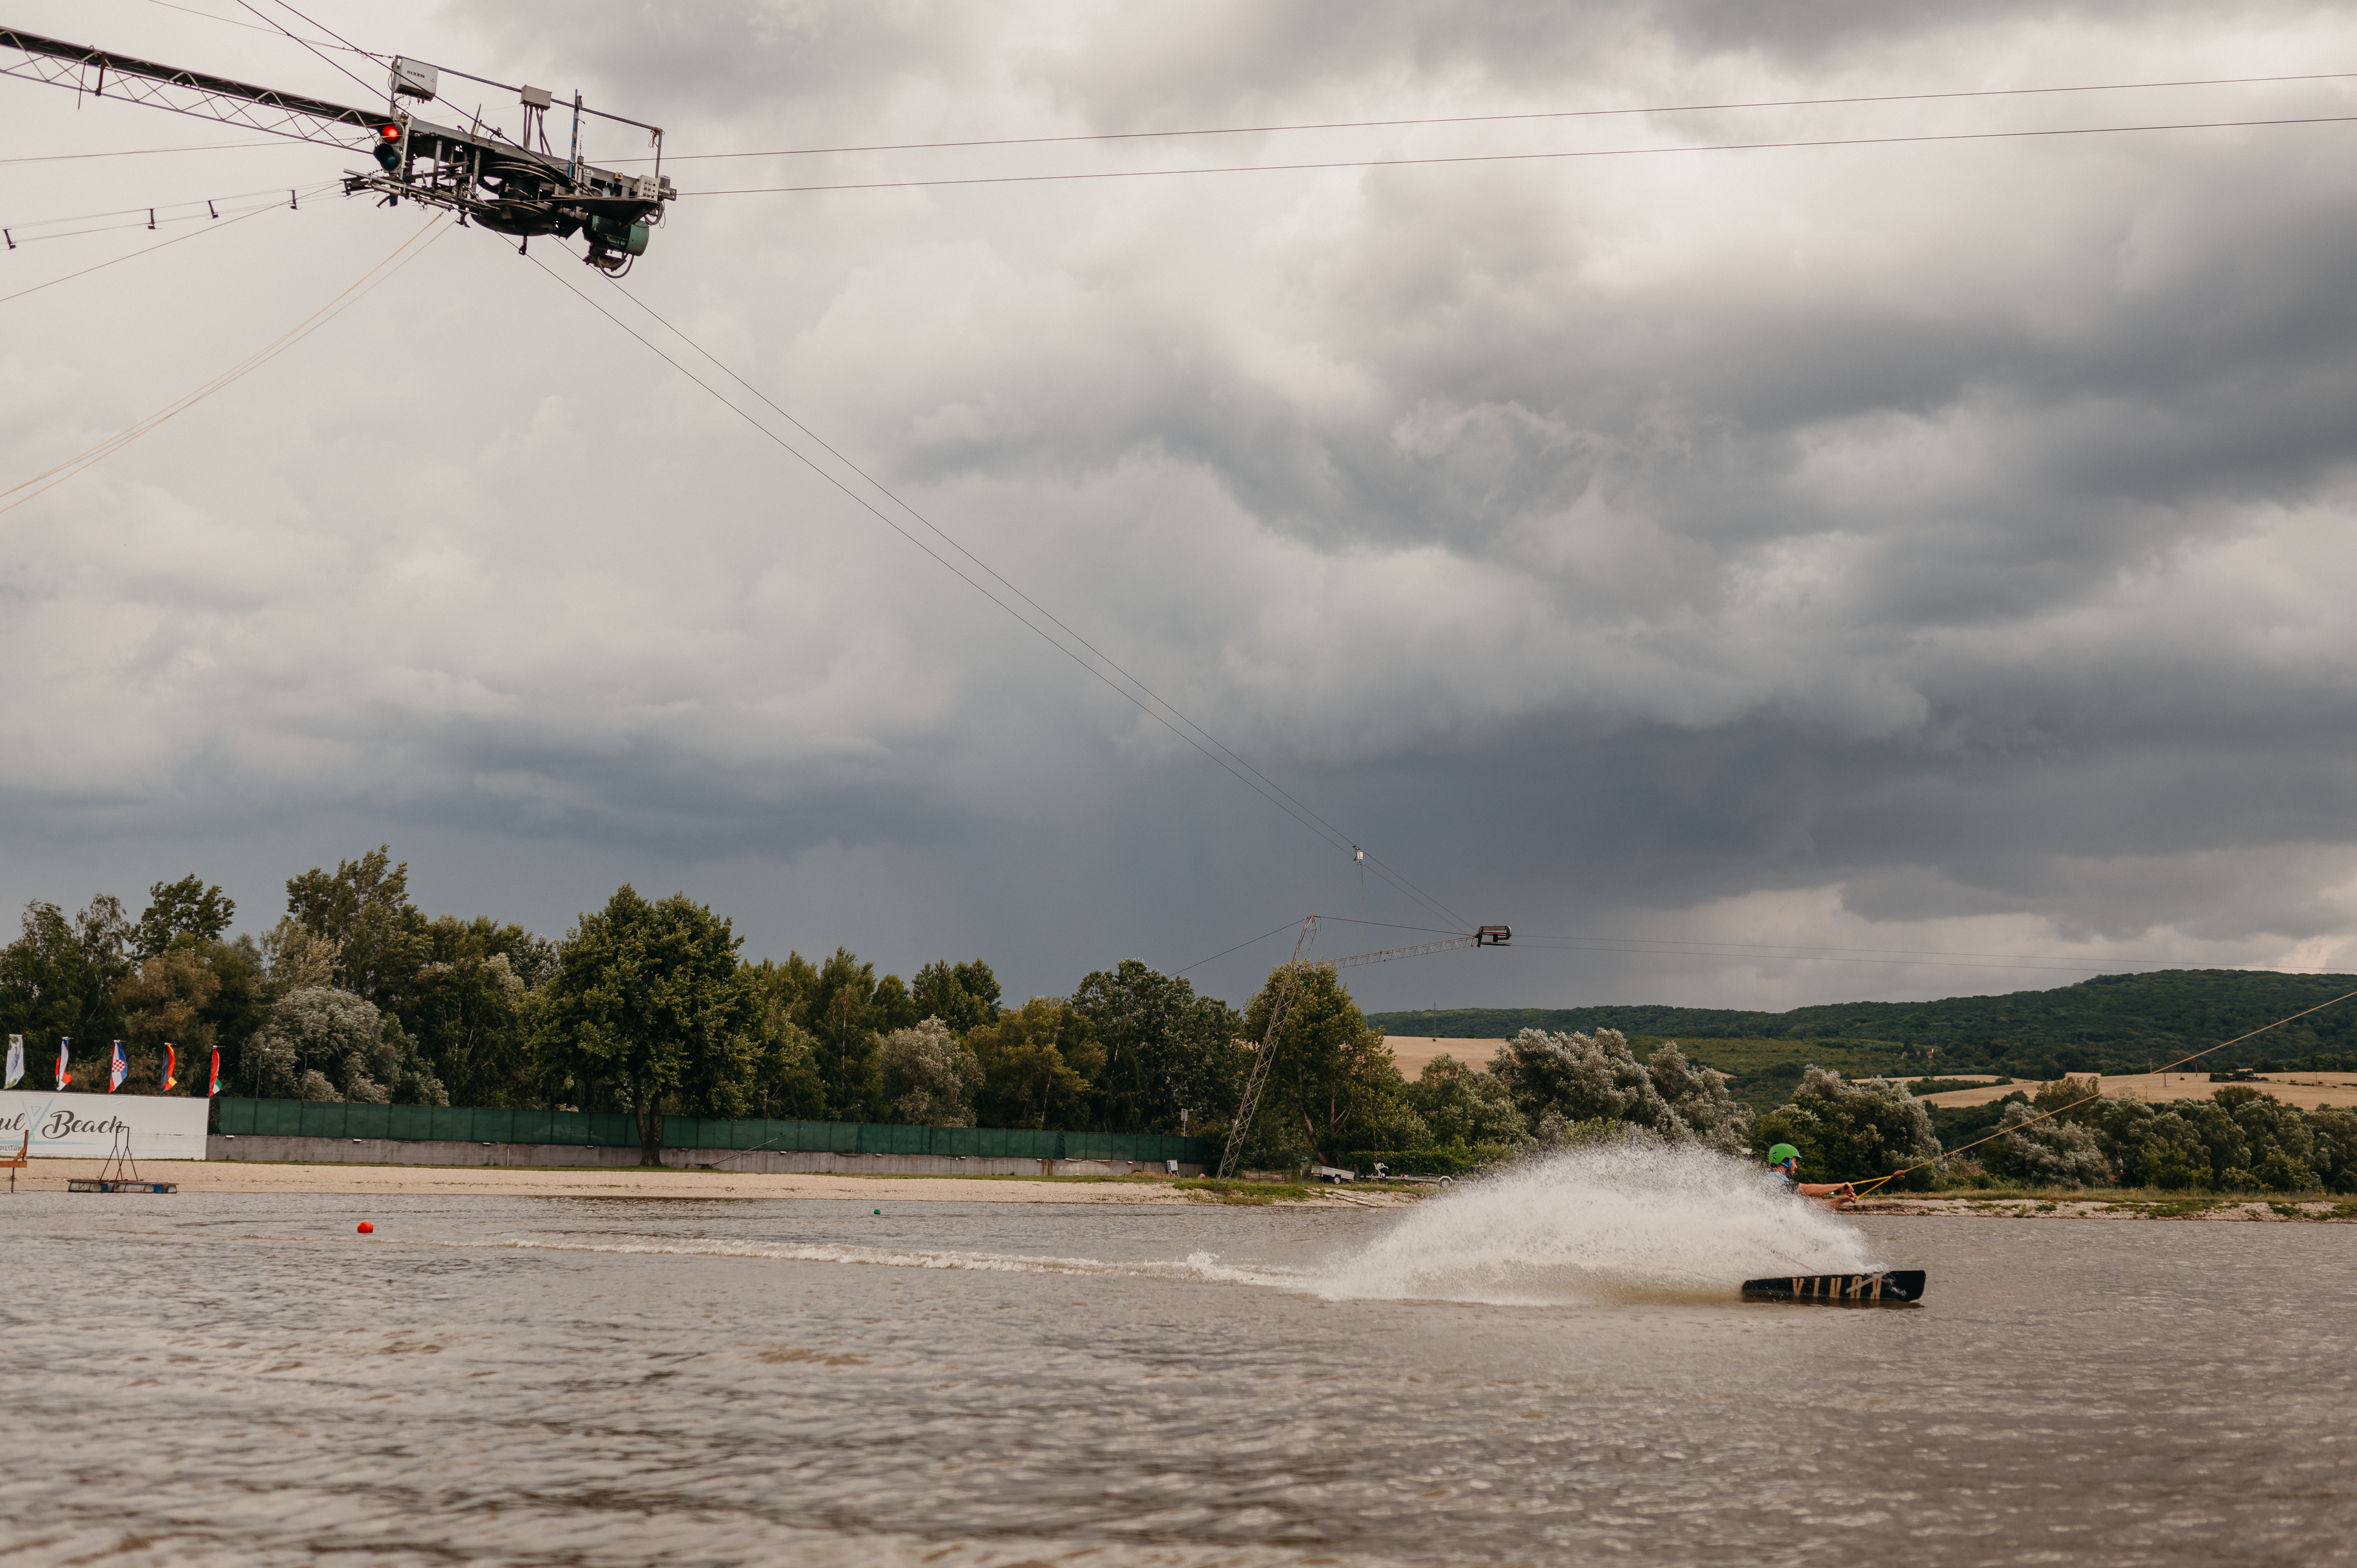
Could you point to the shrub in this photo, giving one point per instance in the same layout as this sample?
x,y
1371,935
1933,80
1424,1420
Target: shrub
x,y
2054,1152
1584,1078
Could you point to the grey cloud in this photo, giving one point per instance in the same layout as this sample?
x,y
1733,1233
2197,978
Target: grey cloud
x,y
1955,532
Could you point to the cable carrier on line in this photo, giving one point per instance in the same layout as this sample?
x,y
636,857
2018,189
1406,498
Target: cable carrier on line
x,y
519,187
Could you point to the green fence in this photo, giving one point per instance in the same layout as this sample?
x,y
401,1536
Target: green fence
x,y
473,1124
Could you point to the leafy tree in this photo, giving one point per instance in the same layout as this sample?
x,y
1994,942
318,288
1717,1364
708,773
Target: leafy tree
x,y
320,1042
962,997
1560,1080
1333,1085
237,1009
785,1079
164,1001
469,1016
895,1009
295,958
2241,1139
930,1078
2058,1151
787,1082
1462,1104
840,1011
1036,1063
63,978
651,1009
1851,1131
467,1006
186,910
364,909
1172,1058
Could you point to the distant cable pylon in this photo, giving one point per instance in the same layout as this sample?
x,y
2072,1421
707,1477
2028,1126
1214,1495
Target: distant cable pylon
x,y
1152,704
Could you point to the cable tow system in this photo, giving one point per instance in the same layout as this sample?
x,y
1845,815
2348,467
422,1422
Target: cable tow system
x,y
1257,1079
509,187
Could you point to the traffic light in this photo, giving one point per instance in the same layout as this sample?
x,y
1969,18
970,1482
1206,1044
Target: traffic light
x,y
388,146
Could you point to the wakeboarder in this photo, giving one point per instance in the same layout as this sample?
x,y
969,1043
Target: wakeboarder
x,y
1786,1161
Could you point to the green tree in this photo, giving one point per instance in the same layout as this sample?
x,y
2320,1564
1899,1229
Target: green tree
x,y
468,1007
1462,1104
62,979
1173,1062
963,996
930,1078
320,1042
787,1083
1333,1085
1036,1063
1851,1131
840,1011
186,910
895,1008
164,1003
364,909
651,1009
1562,1080
237,1009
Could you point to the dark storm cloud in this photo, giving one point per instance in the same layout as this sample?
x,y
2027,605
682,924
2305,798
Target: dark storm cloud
x,y
1925,547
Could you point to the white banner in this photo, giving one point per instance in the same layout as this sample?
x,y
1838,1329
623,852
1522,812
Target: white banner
x,y
82,1126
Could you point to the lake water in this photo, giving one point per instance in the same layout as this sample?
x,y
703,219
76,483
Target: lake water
x,y
1552,1369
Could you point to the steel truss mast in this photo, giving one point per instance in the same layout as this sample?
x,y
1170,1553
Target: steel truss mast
x,y
1240,1131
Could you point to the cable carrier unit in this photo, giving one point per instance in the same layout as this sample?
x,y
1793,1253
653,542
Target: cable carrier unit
x,y
517,186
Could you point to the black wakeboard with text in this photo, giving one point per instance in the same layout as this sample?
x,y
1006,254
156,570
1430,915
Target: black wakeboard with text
x,y
1893,1287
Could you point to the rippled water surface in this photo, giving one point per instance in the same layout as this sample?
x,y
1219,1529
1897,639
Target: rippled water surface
x,y
1514,1377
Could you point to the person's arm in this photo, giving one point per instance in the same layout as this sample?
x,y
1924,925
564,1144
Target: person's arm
x,y
1826,1189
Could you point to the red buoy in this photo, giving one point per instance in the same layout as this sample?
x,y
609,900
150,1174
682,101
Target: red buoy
x,y
366,1228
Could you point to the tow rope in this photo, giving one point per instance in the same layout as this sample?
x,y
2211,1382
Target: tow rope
x,y
1861,1188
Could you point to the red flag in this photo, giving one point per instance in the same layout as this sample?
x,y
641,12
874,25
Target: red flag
x,y
216,1088
171,1066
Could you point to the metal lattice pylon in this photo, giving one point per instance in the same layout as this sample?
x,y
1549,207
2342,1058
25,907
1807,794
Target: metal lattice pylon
x,y
1258,1078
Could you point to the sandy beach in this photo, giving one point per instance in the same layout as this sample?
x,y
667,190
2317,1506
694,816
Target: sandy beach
x,y
504,1181
224,1175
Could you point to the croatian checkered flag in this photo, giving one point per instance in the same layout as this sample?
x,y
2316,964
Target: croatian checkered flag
x,y
119,1071
16,1061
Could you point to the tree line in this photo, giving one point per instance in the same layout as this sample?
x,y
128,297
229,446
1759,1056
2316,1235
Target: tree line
x,y
2110,1024
648,1007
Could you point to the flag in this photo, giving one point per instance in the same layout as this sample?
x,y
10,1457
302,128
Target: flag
x,y
119,1071
216,1088
16,1061
64,1077
171,1066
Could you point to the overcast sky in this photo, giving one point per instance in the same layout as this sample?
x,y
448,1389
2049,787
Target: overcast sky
x,y
1937,548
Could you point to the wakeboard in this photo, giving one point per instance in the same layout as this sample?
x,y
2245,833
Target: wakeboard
x,y
1894,1287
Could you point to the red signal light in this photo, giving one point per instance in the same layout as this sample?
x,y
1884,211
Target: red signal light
x,y
390,133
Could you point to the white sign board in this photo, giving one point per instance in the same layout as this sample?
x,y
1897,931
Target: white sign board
x,y
84,1127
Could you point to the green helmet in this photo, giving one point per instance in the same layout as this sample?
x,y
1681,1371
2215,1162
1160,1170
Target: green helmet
x,y
1783,1151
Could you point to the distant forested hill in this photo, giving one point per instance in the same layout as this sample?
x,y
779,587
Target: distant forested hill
x,y
2115,1022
